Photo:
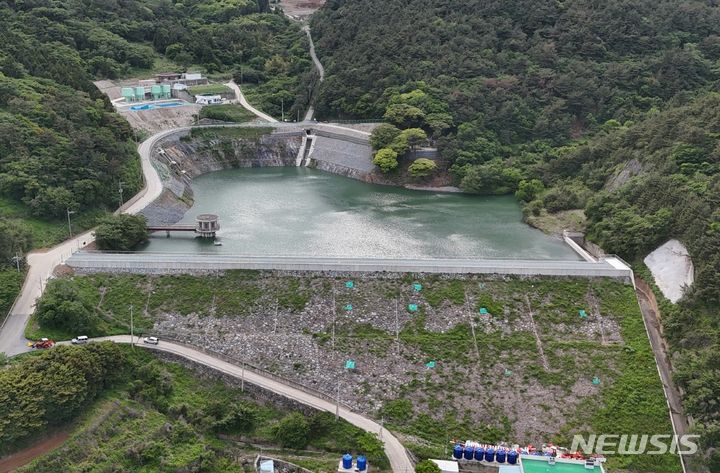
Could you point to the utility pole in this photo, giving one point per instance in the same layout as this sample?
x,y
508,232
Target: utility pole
x,y
337,406
132,328
242,377
120,190
69,212
282,105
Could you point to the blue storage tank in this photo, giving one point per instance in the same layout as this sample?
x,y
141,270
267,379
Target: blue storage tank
x,y
500,455
490,454
457,451
361,463
512,457
347,461
469,453
479,454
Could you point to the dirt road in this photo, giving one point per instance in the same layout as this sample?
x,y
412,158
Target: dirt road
x,y
26,455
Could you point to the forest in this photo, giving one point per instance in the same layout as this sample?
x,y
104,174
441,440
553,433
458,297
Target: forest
x,y
610,108
61,146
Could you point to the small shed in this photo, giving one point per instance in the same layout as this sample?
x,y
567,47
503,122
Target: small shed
x,y
267,466
447,466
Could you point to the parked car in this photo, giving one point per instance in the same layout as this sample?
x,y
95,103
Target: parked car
x,y
79,340
151,340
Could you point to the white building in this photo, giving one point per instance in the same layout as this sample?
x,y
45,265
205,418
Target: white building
x,y
208,99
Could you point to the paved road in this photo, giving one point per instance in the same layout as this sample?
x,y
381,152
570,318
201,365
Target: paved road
x,y
399,461
243,101
144,262
318,65
42,263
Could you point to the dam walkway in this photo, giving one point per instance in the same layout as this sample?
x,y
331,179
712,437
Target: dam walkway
x,y
94,261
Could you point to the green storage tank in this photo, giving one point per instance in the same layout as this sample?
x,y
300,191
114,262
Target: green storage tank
x,y
156,91
128,94
139,93
166,91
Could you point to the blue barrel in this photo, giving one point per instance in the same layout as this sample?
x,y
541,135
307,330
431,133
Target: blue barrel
x,y
479,454
347,461
490,454
469,451
500,455
361,463
512,457
457,452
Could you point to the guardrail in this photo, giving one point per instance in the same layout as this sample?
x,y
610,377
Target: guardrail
x,y
251,367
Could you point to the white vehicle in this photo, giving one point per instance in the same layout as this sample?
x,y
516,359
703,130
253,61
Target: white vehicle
x,y
151,340
79,340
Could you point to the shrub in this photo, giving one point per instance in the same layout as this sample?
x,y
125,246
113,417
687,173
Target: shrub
x,y
422,167
386,159
121,232
293,431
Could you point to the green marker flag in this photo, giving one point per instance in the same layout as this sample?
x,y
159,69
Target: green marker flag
x,y
483,311
349,284
430,364
582,313
350,364
412,307
348,307
417,287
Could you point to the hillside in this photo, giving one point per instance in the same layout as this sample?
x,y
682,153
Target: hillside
x,y
126,410
520,371
61,146
599,112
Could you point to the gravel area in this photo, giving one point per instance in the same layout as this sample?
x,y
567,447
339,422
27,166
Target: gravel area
x,y
300,345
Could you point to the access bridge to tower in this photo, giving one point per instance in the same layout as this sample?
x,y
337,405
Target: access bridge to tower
x,y
206,226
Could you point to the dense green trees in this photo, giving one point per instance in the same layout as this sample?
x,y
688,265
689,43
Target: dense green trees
x,y
61,147
61,307
121,232
15,241
48,390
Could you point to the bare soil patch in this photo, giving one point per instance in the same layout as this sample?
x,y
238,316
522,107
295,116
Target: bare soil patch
x,y
26,455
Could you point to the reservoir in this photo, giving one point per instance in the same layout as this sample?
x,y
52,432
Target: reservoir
x,y
305,212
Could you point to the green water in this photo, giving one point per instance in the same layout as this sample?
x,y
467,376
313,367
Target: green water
x,y
305,212
541,466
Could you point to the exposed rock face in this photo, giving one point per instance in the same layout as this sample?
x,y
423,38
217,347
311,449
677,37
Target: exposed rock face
x,y
672,269
178,162
631,169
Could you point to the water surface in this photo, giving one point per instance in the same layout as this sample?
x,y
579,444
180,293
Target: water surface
x,y
305,212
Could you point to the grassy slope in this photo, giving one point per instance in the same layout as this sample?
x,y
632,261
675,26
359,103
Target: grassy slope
x,y
629,399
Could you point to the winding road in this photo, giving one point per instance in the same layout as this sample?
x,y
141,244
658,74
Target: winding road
x,y
399,460
243,101
42,263
318,65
